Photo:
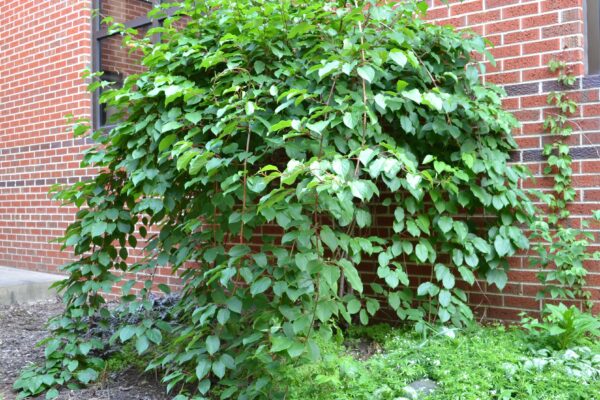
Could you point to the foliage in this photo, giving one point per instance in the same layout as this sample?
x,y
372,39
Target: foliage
x,y
478,363
562,249
257,119
563,327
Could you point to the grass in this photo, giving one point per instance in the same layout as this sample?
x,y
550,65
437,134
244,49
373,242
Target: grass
x,y
477,363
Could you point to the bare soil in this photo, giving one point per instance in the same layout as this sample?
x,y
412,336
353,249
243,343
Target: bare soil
x,y
23,325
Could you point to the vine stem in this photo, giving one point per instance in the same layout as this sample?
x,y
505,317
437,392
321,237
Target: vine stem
x,y
245,184
364,90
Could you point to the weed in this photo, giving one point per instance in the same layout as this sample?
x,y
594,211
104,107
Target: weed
x,y
562,327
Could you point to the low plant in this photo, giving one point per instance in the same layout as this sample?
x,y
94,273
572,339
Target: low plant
x,y
562,249
485,363
562,327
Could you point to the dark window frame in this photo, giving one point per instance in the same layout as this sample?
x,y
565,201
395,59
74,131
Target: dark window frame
x,y
592,37
98,34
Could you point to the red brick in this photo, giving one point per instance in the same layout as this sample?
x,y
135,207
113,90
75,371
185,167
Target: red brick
x,y
591,166
520,10
466,7
550,5
541,46
522,62
506,51
479,18
457,22
522,36
539,20
499,3
591,195
571,28
510,104
504,78
502,26
438,13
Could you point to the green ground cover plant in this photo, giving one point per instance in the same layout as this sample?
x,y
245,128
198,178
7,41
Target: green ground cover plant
x,y
483,363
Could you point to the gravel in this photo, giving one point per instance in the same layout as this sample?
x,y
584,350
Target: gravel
x,y
23,325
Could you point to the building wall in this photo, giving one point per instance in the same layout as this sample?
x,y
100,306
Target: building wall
x,y
46,44
526,35
44,47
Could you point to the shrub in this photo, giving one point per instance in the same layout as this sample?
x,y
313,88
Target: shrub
x,y
261,118
563,327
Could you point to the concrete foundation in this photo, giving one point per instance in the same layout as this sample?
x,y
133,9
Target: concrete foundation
x,y
22,286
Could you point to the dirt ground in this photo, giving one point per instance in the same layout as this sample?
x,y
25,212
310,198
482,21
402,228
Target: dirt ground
x,y
22,326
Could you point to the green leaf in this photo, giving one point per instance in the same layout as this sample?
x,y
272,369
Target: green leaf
x,y
398,57
218,369
502,245
281,125
87,375
413,180
171,126
98,228
234,304
142,344
497,277
328,237
202,368
367,73
372,306
401,85
413,95
85,348
467,275
260,286
194,117
427,288
351,275
213,343
433,100
329,67
380,100
457,257
318,127
126,333
154,335
167,141
353,306
250,107
421,252
444,298
349,120
412,228
394,300
445,224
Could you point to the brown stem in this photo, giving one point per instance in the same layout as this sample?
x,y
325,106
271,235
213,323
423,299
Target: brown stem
x,y
245,184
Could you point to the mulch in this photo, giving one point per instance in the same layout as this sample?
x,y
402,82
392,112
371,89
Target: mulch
x,y
23,325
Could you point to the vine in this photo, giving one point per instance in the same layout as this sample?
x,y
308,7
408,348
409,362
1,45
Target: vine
x,y
562,249
256,145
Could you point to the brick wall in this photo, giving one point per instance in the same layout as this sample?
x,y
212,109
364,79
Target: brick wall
x,y
526,35
45,45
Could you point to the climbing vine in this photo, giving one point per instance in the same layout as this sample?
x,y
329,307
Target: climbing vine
x,y
562,248
254,158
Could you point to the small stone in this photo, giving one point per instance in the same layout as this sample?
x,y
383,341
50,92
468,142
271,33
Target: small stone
x,y
420,388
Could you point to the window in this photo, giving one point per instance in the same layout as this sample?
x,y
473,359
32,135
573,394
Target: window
x,y
109,56
105,111
593,36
